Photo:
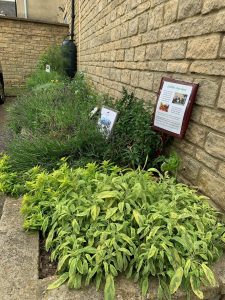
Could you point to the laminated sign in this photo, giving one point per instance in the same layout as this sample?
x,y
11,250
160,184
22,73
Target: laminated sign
x,y
174,106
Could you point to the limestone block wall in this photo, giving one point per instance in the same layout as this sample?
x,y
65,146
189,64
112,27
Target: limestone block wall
x,y
133,43
22,42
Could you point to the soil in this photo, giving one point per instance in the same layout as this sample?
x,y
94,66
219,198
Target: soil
x,y
46,267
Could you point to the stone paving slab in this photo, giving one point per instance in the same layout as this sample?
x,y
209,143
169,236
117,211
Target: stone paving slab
x,y
18,256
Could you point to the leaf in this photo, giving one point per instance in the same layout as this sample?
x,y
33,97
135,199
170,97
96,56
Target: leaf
x,y
145,286
95,210
176,280
109,291
138,217
195,289
152,251
110,212
209,275
187,268
72,266
62,262
98,280
58,282
108,194
121,206
126,251
119,260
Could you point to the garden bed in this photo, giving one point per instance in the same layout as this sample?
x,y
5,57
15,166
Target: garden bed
x,y
46,267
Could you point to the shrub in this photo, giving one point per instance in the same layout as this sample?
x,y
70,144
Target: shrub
x,y
54,122
54,56
102,221
41,77
134,143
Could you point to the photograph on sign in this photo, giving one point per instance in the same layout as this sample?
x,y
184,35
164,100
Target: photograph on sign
x,y
174,105
107,120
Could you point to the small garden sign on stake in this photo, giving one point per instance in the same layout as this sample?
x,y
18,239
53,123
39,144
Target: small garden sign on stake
x,y
107,120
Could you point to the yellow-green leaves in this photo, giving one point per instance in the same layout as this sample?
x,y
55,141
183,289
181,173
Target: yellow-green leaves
x,y
59,281
176,280
99,226
95,210
108,194
195,288
209,275
109,291
145,286
138,218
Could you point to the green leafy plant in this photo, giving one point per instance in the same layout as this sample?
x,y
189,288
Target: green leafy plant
x,y
53,122
100,221
134,142
42,78
55,56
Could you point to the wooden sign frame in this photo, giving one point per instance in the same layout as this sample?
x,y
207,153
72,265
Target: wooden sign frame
x,y
174,101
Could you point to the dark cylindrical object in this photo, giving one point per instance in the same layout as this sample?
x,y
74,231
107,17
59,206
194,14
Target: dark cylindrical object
x,y
69,51
72,20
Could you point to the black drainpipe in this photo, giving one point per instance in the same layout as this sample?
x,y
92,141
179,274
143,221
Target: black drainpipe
x,y
72,21
70,49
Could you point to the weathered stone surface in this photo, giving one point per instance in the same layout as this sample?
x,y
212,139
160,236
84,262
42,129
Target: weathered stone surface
x,y
197,26
222,49
218,22
215,145
213,186
157,2
206,159
178,67
120,54
170,12
214,119
125,76
124,30
18,256
134,78
143,23
158,16
150,37
205,47
135,41
189,168
185,146
174,50
157,80
208,67
207,92
135,3
153,52
209,5
133,27
188,8
221,101
170,32
196,134
139,54
146,80
129,54
221,172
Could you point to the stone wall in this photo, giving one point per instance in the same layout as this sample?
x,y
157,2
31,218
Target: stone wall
x,y
21,43
133,43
